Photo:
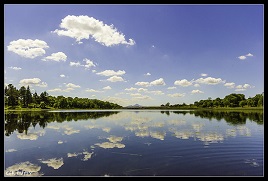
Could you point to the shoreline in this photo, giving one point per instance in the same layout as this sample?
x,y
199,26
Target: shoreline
x,y
148,108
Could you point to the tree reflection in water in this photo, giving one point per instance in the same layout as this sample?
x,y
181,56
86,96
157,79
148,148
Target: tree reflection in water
x,y
21,121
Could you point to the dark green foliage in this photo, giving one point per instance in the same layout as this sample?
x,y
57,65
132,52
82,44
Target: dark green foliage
x,y
12,96
231,100
24,98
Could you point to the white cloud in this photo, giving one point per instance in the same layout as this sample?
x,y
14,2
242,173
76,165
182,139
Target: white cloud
x,y
59,56
142,90
115,79
10,150
183,83
147,74
62,75
204,75
111,73
157,92
92,90
210,81
239,87
242,57
142,97
170,88
230,84
159,81
15,68
238,90
249,55
28,48
196,85
84,27
76,64
243,87
135,94
89,63
107,88
55,90
176,95
71,85
143,84
93,71
196,91
119,93
33,81
131,89
43,84
247,86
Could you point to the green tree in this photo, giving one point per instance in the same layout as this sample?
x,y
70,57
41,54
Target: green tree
x,y
250,102
233,99
28,99
226,102
42,105
51,101
44,97
257,100
22,96
70,102
36,98
217,102
12,95
260,102
242,103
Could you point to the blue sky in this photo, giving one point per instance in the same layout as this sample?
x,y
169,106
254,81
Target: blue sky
x,y
128,54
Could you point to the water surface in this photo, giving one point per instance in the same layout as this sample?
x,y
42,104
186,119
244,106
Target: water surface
x,y
133,143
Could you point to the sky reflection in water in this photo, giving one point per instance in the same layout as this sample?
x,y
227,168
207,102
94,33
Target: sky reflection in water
x,y
132,143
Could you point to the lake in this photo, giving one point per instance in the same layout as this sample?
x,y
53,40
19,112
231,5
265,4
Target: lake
x,y
134,143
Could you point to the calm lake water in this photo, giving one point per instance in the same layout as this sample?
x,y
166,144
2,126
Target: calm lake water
x,y
134,143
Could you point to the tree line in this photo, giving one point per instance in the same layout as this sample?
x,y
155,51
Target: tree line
x,y
24,98
231,100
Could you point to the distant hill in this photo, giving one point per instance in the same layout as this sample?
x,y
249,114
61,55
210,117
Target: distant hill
x,y
135,106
